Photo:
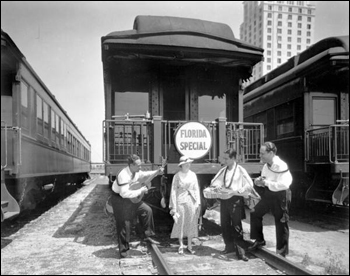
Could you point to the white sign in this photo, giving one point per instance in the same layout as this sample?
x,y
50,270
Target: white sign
x,y
193,139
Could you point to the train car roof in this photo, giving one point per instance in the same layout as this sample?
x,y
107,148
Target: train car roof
x,y
6,40
180,39
332,49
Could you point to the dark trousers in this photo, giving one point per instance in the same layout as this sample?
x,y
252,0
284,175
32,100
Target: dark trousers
x,y
278,203
124,213
231,223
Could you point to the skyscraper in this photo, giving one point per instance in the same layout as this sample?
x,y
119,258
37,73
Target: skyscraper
x,y
282,28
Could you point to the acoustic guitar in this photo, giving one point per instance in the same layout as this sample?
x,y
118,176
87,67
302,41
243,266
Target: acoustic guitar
x,y
146,183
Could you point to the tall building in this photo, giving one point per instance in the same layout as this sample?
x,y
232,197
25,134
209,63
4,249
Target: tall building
x,y
282,28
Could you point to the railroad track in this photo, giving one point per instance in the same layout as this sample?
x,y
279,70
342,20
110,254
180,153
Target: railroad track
x,y
262,262
209,261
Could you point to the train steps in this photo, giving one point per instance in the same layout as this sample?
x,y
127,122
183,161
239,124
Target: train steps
x,y
9,206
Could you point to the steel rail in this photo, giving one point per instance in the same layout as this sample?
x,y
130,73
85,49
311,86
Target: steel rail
x,y
158,260
279,262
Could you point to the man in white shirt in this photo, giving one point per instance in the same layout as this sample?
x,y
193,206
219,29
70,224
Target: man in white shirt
x,y
276,197
127,187
235,178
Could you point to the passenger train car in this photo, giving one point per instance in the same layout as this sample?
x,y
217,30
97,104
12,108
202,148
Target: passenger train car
x,y
41,148
172,87
304,106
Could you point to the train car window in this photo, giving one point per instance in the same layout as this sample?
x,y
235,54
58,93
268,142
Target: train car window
x,y
262,118
62,133
210,109
39,115
53,125
24,107
46,120
134,103
285,119
57,130
323,111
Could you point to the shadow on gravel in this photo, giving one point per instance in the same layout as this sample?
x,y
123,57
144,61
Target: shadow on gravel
x,y
89,224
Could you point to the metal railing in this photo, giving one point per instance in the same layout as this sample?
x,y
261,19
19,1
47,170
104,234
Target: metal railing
x,y
327,144
125,137
246,139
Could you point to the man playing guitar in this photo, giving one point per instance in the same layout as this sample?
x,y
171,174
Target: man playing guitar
x,y
125,210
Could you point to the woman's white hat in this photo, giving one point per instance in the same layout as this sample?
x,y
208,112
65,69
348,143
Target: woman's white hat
x,y
184,159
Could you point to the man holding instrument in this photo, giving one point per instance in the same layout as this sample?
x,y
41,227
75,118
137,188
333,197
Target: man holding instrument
x,y
129,184
235,178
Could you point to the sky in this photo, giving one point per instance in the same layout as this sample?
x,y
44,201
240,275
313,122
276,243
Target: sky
x,y
61,40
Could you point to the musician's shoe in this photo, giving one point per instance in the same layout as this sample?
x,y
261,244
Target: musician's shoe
x,y
256,245
150,240
191,251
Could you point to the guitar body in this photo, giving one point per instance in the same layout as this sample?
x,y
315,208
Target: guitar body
x,y
146,183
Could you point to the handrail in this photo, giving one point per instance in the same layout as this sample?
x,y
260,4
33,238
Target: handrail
x,y
330,136
5,127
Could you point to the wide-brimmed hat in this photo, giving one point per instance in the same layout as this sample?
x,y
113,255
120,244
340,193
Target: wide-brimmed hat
x,y
185,159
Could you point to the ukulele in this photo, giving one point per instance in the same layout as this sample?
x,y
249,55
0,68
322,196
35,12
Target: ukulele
x,y
146,183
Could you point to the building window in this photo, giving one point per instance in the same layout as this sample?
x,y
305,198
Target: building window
x,y
268,45
268,60
299,32
289,46
279,61
289,54
289,32
279,38
309,19
278,53
279,46
290,9
269,53
299,25
268,37
299,40
308,41
308,26
269,15
269,22
279,23
308,33
279,16
289,24
279,31
269,30
268,67
298,47
299,18
309,11
289,17
300,10
289,39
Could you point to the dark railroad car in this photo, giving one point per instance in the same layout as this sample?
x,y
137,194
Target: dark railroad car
x,y
173,87
41,148
304,106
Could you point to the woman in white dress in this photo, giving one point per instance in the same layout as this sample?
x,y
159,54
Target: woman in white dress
x,y
185,204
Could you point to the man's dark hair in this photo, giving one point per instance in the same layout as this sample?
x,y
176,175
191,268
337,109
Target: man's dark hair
x,y
270,147
231,153
132,158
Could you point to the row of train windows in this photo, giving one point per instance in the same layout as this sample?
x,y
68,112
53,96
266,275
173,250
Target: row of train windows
x,y
46,125
278,122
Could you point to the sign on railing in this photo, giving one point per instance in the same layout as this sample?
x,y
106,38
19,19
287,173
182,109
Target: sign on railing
x,y
193,139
